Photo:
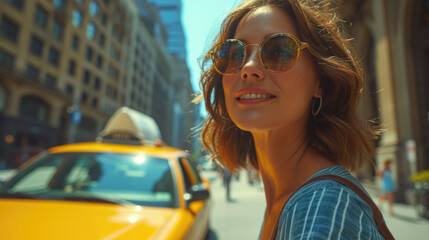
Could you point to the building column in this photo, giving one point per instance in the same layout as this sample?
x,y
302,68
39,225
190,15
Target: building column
x,y
388,28
388,146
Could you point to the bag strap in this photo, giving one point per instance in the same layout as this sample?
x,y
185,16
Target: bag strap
x,y
378,217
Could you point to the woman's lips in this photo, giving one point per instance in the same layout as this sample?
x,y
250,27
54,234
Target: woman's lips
x,y
253,95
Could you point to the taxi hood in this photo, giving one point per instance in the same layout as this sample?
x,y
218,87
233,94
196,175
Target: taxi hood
x,y
49,219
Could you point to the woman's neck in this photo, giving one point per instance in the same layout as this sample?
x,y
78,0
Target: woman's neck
x,y
285,160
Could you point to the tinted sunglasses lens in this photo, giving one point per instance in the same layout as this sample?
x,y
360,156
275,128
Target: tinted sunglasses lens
x,y
229,56
279,53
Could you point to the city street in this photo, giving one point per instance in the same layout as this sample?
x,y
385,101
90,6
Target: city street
x,y
241,218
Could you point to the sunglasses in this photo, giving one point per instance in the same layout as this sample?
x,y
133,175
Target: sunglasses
x,y
278,53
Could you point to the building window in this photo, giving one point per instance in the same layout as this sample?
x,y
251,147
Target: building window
x,y
17,3
112,50
89,53
33,109
60,4
86,77
90,30
94,102
97,83
101,40
50,80
104,19
69,89
84,97
77,18
57,30
7,59
9,29
41,16
36,46
72,67
75,43
93,8
53,57
108,91
99,62
33,72
110,70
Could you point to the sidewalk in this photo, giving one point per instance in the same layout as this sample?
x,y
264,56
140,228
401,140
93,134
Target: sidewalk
x,y
406,223
242,218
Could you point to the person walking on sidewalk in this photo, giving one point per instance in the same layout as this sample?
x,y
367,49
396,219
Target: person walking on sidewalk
x,y
281,87
227,177
387,186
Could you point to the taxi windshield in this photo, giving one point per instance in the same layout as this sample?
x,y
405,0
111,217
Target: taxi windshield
x,y
96,177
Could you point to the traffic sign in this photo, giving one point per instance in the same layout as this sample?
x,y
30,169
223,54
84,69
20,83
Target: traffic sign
x,y
75,116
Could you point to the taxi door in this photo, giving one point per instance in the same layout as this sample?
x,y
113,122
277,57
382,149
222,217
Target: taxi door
x,y
200,209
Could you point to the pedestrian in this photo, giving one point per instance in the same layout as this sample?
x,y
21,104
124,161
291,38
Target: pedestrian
x,y
227,177
387,186
281,88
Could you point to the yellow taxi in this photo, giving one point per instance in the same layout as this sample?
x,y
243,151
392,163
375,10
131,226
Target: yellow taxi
x,y
123,186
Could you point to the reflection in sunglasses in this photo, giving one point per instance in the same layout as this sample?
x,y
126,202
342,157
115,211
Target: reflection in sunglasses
x,y
278,53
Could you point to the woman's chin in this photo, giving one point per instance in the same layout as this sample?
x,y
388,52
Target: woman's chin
x,y
253,125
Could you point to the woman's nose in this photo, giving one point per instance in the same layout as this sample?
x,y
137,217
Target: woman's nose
x,y
253,67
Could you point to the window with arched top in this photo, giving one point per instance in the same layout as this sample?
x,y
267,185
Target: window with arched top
x,y
33,109
2,98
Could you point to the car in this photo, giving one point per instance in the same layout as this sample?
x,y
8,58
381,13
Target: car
x,y
124,185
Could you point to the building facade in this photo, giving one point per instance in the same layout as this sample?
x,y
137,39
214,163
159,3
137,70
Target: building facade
x,y
86,56
171,14
182,120
393,41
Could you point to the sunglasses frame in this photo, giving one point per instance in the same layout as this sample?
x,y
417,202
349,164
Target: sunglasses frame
x,y
301,45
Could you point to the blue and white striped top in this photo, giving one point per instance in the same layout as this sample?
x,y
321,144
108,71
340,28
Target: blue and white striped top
x,y
326,209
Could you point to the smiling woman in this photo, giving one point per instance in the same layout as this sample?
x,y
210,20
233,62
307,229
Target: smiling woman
x,y
281,88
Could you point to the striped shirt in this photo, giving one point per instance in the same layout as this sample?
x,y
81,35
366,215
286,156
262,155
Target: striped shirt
x,y
326,209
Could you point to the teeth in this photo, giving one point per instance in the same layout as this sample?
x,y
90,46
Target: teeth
x,y
254,96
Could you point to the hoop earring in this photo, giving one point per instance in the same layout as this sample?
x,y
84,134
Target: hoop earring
x,y
316,112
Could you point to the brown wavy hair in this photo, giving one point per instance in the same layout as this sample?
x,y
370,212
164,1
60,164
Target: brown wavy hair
x,y
337,132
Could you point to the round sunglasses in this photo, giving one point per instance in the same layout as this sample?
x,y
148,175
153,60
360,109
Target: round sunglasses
x,y
278,53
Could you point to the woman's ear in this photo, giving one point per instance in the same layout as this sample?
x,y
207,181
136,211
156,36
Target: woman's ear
x,y
318,91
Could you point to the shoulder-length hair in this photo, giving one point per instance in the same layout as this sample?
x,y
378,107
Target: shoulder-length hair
x,y
337,132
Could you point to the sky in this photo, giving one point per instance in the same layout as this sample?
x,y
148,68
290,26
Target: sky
x,y
201,21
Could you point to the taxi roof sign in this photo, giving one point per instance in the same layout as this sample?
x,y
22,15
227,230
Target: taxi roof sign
x,y
129,126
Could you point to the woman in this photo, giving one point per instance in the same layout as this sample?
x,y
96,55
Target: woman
x,y
281,91
387,186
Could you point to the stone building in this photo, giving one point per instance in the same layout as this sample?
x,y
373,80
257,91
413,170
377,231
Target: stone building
x,y
88,57
392,38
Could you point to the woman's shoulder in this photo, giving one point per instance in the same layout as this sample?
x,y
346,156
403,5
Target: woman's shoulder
x,y
327,208
329,190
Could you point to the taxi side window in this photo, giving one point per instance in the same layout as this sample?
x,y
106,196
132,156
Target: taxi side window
x,y
195,172
190,176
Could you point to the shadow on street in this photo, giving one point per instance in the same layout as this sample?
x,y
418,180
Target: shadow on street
x,y
211,235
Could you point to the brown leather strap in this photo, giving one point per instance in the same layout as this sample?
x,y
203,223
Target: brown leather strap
x,y
378,217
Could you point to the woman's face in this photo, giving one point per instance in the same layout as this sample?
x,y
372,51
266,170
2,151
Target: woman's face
x,y
277,100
